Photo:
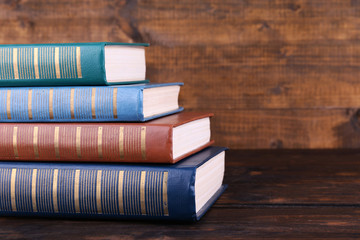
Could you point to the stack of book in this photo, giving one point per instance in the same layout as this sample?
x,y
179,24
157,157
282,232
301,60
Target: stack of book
x,y
83,134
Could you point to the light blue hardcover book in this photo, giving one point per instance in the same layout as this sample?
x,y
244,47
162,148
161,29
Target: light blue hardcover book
x,y
182,191
130,103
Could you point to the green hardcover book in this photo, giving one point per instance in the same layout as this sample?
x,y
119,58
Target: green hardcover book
x,y
100,63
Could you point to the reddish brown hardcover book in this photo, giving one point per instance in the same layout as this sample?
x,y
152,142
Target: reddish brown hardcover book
x,y
165,140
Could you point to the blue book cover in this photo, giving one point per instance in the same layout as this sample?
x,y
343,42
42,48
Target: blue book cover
x,y
183,191
123,103
60,64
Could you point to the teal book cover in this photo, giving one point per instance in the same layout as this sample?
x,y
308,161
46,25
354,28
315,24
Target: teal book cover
x,y
98,63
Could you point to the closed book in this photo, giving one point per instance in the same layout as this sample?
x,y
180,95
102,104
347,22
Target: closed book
x,y
132,103
100,63
183,191
164,140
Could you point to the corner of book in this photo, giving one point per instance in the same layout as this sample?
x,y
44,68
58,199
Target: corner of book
x,y
209,203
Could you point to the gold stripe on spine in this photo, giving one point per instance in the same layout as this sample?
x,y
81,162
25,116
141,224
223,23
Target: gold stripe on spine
x,y
8,104
143,143
120,192
36,63
33,190
56,142
98,192
35,141
16,153
57,63
30,104
12,190
72,96
165,194
15,63
115,102
78,142
54,190
121,142
93,92
51,104
142,192
78,62
76,191
100,133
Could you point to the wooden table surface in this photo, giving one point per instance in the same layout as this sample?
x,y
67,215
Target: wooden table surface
x,y
272,193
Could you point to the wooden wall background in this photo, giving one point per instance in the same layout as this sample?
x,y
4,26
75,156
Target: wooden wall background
x,y
277,73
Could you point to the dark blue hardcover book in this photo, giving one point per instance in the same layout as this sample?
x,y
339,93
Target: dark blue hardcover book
x,y
123,103
182,191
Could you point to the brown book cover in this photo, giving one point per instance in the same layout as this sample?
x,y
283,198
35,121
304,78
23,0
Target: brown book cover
x,y
149,142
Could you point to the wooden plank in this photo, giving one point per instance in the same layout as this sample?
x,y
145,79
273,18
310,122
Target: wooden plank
x,y
253,77
293,178
286,128
214,22
240,223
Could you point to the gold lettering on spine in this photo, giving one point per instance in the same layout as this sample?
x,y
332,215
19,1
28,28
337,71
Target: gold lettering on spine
x,y
72,96
16,153
165,194
51,97
142,192
78,142
100,133
15,63
33,190
98,192
121,142
36,62
78,62
35,142
143,143
93,113
55,182
30,104
8,104
76,191
120,192
12,190
57,63
115,102
56,142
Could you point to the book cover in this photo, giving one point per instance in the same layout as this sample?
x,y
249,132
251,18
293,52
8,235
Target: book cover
x,y
121,191
56,64
80,103
101,142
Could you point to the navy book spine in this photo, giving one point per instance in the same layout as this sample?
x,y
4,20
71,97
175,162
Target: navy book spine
x,y
103,190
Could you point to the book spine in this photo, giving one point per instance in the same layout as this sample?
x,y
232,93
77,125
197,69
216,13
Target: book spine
x,y
56,64
70,104
95,192
86,142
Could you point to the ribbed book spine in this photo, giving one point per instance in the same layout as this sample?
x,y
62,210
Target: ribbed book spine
x,y
84,191
55,103
84,142
41,62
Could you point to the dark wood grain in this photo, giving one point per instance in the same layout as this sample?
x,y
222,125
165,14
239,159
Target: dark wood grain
x,y
292,177
235,57
287,194
276,128
238,223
